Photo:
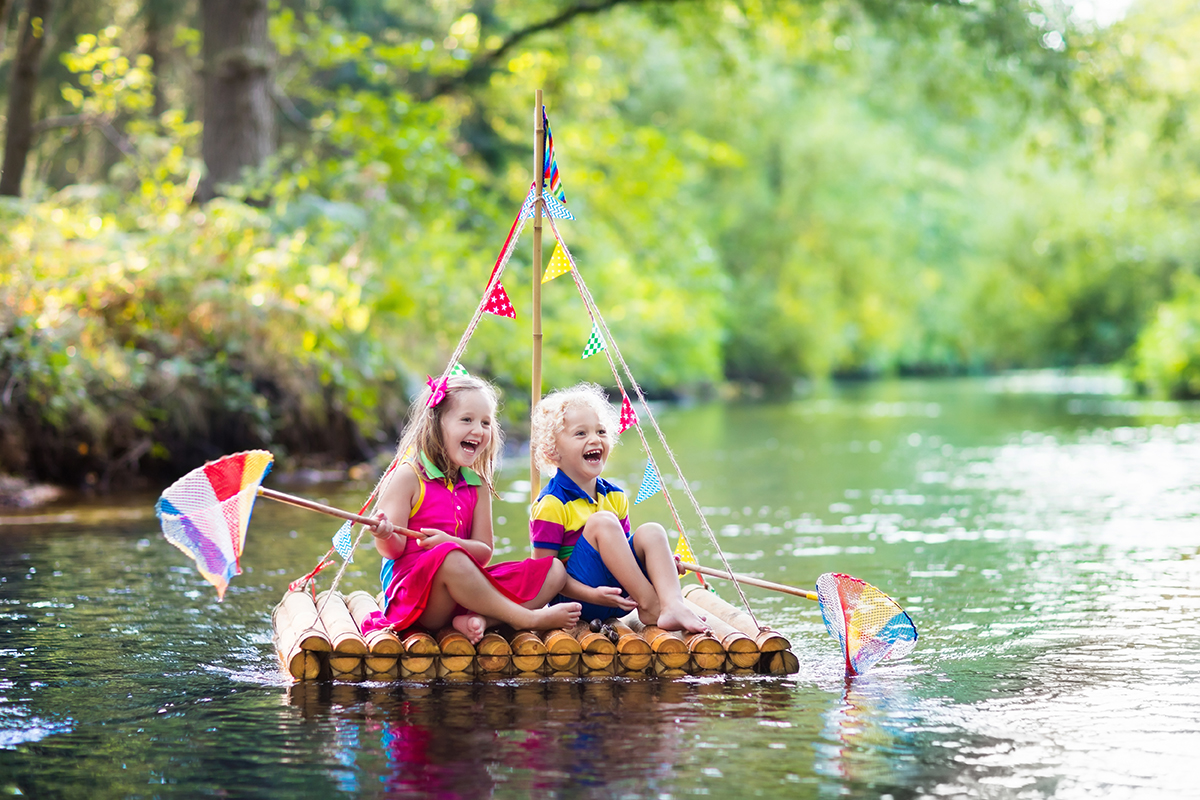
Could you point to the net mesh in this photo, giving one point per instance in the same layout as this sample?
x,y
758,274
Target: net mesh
x,y
868,624
206,512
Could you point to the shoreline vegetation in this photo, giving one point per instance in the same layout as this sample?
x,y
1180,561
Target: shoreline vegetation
x,y
801,192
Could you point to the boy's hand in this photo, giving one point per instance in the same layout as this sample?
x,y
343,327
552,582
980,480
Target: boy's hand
x,y
611,596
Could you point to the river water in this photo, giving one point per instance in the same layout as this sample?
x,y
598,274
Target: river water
x,y
1041,531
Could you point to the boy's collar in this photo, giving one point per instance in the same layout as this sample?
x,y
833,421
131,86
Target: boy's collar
x,y
570,484
470,476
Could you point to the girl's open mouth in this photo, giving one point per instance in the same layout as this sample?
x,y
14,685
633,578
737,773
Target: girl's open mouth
x,y
470,447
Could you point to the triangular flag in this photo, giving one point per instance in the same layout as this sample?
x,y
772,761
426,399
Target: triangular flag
x,y
559,264
341,540
553,207
527,206
550,176
556,209
460,370
499,303
628,415
650,483
595,344
684,551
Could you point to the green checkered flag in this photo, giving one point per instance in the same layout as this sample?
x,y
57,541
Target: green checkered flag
x,y
460,370
595,342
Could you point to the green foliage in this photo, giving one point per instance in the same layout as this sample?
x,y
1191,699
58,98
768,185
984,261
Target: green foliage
x,y
763,191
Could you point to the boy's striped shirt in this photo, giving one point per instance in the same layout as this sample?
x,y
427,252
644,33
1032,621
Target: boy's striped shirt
x,y
557,519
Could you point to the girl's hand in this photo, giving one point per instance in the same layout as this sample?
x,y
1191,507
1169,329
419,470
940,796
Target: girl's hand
x,y
383,529
611,596
433,537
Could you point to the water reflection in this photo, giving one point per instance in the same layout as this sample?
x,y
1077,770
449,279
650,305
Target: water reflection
x,y
535,738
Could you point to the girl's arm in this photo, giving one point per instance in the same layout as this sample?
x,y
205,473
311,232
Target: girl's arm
x,y
599,595
481,542
396,501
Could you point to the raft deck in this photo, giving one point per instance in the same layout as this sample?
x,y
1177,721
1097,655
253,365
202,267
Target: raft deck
x,y
331,646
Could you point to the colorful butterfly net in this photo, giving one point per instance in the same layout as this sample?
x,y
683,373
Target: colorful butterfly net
x,y
867,623
206,512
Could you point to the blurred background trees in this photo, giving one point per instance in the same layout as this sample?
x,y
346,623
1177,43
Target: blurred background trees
x,y
238,223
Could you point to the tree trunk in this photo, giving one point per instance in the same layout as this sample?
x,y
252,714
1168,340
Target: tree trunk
x,y
239,120
19,136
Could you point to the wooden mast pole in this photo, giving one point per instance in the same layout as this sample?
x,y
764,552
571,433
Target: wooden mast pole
x,y
539,172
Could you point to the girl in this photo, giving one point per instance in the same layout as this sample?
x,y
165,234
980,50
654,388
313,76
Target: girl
x,y
441,575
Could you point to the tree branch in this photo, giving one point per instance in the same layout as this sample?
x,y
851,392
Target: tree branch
x,y
482,65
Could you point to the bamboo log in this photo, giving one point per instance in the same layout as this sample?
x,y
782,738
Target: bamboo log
x,y
420,652
296,623
420,676
346,666
740,649
598,672
768,641
529,652
382,668
669,647
343,631
598,651
456,675
706,652
783,662
633,651
381,642
457,652
493,653
563,651
302,665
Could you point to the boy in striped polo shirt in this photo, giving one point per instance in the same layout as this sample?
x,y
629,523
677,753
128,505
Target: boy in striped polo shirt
x,y
584,520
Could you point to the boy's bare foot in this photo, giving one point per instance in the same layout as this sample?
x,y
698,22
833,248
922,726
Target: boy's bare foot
x,y
471,626
678,617
560,615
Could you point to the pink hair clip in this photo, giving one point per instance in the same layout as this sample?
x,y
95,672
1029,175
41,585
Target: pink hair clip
x,y
437,390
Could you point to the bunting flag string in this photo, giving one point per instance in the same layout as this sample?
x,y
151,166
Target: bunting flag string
x,y
613,353
650,484
550,177
595,344
559,265
629,417
343,544
499,304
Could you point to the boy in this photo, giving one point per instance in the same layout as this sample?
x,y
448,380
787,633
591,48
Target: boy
x,y
584,520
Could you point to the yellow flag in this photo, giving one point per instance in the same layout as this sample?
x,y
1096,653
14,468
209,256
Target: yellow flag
x,y
683,551
559,265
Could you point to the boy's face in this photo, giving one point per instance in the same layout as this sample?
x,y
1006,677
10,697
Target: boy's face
x,y
582,446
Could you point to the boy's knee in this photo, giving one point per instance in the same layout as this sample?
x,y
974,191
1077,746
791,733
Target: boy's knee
x,y
650,531
603,523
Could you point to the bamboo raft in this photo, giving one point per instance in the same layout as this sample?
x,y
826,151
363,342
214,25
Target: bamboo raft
x,y
330,646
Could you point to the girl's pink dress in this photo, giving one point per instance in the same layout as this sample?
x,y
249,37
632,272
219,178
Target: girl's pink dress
x,y
450,509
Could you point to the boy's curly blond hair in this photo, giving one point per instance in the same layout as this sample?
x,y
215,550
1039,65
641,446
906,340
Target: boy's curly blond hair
x,y
546,422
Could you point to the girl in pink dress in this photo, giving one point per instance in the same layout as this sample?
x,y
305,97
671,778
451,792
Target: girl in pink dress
x,y
439,573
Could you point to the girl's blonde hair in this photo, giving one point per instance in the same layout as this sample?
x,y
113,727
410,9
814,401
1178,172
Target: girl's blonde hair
x,y
547,421
424,431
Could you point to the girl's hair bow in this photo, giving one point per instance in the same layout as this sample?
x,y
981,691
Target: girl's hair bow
x,y
437,390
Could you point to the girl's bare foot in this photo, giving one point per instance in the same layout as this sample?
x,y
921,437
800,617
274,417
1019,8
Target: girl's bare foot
x,y
471,626
678,617
560,615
